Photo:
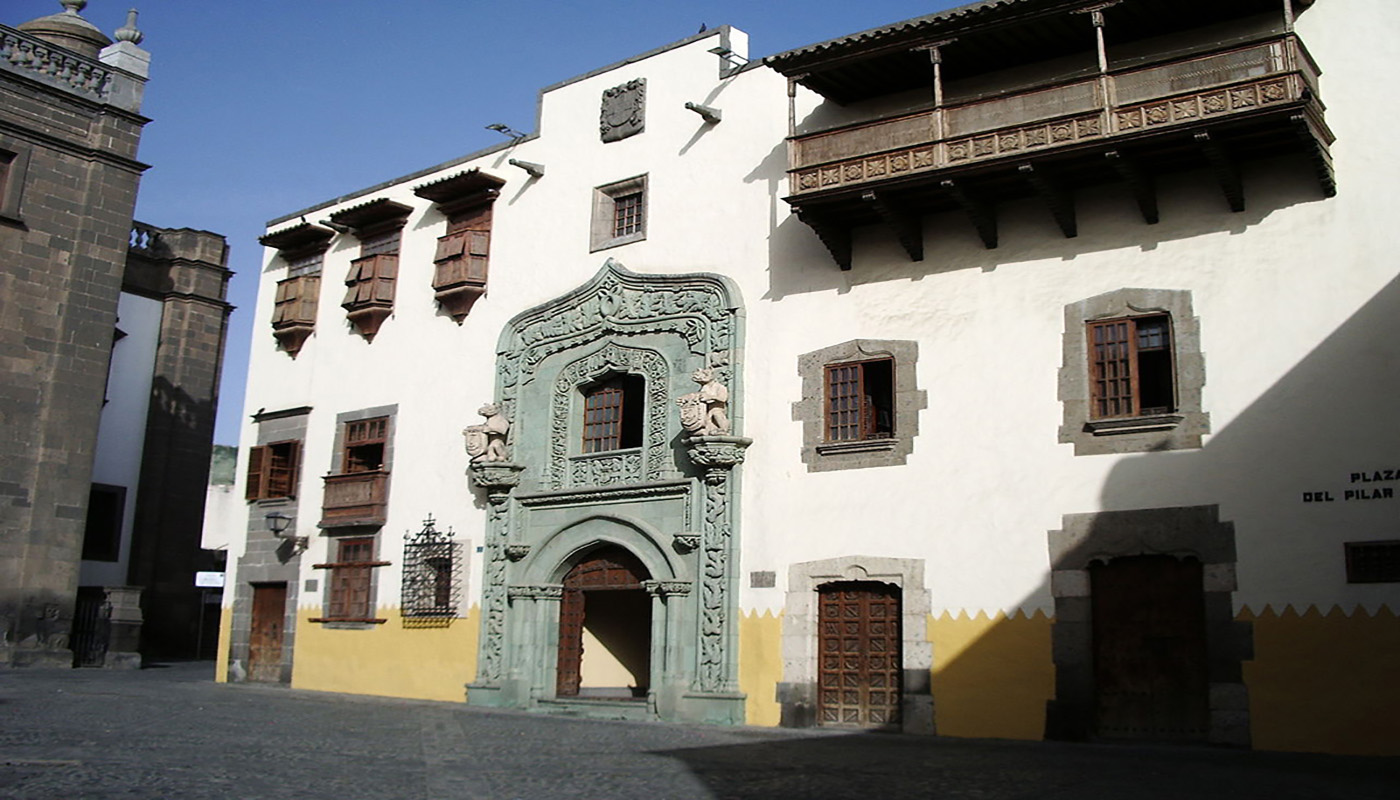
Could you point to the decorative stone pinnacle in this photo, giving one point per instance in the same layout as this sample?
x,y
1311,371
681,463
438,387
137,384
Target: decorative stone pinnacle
x,y
73,6
128,32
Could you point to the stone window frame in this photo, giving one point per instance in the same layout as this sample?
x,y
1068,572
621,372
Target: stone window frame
x,y
602,233
1183,428
1182,531
14,164
797,693
820,455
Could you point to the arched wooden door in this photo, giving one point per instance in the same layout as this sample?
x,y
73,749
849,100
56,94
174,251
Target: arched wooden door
x,y
858,655
1150,662
606,569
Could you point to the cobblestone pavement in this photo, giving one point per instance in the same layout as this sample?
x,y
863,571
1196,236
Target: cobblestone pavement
x,y
171,732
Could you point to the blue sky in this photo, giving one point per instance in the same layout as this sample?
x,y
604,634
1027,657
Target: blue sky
x,y
264,107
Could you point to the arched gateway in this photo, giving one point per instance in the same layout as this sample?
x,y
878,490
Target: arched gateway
x,y
612,539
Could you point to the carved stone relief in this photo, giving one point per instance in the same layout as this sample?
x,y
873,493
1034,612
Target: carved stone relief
x,y
624,110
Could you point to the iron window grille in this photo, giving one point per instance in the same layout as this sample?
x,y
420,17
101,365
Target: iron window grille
x,y
432,587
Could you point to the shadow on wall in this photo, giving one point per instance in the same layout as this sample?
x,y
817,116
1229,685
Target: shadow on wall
x,y
1281,477
1191,206
859,765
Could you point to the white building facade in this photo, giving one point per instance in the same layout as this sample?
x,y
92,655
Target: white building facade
x,y
882,383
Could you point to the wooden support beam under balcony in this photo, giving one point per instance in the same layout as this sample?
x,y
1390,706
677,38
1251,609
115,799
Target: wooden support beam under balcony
x,y
901,221
834,235
355,499
983,215
1059,199
1140,183
1225,168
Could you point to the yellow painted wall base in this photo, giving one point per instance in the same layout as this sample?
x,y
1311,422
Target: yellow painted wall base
x,y
991,675
389,659
1325,682
221,652
761,666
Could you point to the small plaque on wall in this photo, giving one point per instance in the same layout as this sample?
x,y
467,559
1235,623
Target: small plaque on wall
x,y
624,110
765,579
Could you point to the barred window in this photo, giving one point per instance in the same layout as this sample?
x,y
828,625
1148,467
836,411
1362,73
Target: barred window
x,y
431,574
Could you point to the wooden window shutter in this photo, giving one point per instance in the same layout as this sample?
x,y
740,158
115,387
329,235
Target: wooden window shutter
x,y
305,309
450,246
478,252
257,464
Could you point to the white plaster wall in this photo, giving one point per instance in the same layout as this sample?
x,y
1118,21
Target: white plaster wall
x,y
712,199
121,434
987,477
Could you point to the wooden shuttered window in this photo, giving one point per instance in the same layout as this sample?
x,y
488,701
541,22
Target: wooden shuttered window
x,y
371,281
296,301
351,586
860,401
464,252
1131,369
272,470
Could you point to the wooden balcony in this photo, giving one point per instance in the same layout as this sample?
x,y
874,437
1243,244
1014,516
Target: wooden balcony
x,y
355,499
1210,110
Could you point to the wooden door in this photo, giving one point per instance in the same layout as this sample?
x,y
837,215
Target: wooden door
x,y
1150,649
858,654
265,636
607,568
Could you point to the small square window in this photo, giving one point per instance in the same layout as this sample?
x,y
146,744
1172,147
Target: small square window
x,y
1373,562
612,414
619,213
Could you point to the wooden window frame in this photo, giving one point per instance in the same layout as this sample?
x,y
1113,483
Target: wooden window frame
x,y
605,432
345,570
837,422
273,470
1116,378
363,433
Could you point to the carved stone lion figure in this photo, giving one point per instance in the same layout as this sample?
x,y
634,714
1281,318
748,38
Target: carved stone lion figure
x,y
487,441
704,412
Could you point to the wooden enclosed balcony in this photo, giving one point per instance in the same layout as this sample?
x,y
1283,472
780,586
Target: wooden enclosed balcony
x,y
355,499
1209,110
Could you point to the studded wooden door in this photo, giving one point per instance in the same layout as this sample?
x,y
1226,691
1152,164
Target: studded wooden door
x,y
607,568
858,655
1150,661
265,635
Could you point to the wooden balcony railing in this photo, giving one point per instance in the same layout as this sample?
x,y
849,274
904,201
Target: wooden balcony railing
x,y
355,498
1130,102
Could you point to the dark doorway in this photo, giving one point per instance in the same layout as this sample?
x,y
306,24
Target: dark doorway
x,y
605,627
265,634
1150,679
858,655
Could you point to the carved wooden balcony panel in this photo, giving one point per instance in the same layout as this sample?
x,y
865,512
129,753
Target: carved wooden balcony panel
x,y
1262,98
355,499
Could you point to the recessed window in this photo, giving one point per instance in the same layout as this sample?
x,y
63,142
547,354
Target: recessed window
x,y
860,401
1131,364
619,213
272,470
1373,562
1133,374
12,168
613,414
102,536
860,404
